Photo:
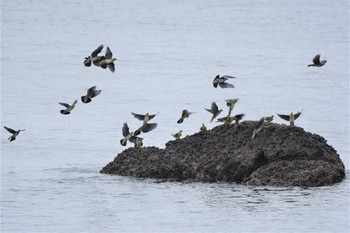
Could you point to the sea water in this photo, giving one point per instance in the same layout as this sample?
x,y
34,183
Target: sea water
x,y
168,53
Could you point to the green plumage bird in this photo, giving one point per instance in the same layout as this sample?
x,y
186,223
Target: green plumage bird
x,y
69,108
185,114
291,117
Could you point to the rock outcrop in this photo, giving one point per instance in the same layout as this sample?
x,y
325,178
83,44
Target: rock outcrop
x,y
280,155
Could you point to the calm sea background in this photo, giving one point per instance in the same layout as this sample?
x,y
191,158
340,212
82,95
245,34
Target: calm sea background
x,y
168,54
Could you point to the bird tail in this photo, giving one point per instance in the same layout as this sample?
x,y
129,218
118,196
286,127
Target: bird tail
x,y
310,65
180,121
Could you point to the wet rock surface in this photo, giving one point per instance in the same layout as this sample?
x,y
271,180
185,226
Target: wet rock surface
x,y
280,155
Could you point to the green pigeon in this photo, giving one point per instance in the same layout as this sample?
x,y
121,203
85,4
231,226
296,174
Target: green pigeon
x,y
268,118
316,61
128,136
91,93
94,57
13,132
291,117
69,108
221,81
145,118
203,128
108,60
214,110
177,135
185,114
231,104
138,142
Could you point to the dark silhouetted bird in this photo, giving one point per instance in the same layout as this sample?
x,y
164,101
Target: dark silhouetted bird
x,y
91,93
316,61
108,60
69,108
214,110
94,57
185,114
221,81
13,132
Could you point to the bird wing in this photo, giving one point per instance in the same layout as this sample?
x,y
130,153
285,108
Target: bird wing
x,y
214,107
297,115
133,139
125,129
226,85
284,117
108,54
10,130
97,51
75,102
111,67
95,93
239,116
148,127
227,76
65,105
260,122
316,59
90,91
139,116
150,117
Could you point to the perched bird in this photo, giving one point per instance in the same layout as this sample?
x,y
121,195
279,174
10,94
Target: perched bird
x,y
291,117
221,81
177,135
68,107
268,118
145,118
146,127
138,142
94,57
14,133
231,104
185,114
258,127
108,60
91,93
316,61
214,110
203,128
128,136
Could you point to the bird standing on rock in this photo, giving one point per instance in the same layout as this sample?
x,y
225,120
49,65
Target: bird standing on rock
x,y
108,60
214,110
94,57
177,135
291,117
69,108
258,127
221,81
203,128
13,132
316,61
185,114
91,93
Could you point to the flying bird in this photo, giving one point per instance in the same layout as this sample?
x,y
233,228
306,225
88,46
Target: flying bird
x,y
214,110
291,117
316,61
69,108
221,81
128,136
91,93
13,132
177,135
108,60
94,57
185,114
145,118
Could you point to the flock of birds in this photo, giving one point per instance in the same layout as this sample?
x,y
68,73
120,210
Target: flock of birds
x,y
107,61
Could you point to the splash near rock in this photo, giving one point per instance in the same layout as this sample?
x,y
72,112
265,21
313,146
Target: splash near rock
x,y
280,155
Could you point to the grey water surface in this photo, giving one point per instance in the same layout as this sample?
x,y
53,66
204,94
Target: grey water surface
x,y
168,54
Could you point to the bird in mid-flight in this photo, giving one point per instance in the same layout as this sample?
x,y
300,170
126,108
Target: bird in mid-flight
x,y
13,132
91,93
221,81
316,61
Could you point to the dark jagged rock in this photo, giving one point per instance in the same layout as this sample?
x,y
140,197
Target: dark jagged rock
x,y
280,155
